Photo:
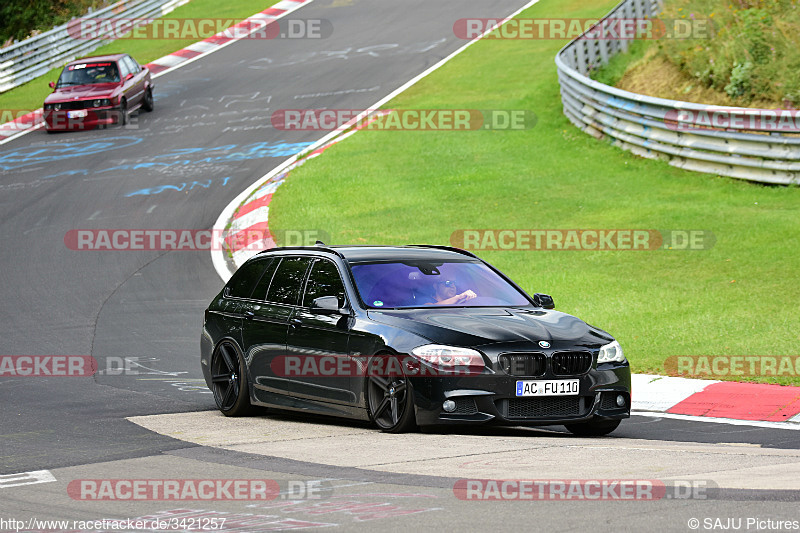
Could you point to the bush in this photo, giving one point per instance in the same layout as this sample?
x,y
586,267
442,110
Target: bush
x,y
20,18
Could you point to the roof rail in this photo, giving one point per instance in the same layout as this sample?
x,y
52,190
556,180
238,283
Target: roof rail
x,y
315,248
441,247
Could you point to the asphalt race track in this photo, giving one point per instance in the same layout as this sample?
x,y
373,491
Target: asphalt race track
x,y
138,313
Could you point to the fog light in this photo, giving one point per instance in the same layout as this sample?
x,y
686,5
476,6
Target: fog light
x,y
621,400
449,406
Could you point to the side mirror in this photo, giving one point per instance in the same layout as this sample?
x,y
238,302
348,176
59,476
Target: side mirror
x,y
327,305
129,76
544,301
52,84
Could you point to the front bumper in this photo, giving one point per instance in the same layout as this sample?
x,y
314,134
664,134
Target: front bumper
x,y
491,399
68,120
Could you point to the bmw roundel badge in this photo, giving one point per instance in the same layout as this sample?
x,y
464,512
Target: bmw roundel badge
x,y
544,344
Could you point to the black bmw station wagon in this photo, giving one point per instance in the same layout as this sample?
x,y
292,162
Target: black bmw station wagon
x,y
406,336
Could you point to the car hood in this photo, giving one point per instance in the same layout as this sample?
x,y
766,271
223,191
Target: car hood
x,y
81,92
481,326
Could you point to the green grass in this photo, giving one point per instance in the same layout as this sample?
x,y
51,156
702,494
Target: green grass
x,y
616,67
397,187
745,51
32,94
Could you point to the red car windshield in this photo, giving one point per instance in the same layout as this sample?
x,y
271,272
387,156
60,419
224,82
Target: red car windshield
x,y
421,284
89,73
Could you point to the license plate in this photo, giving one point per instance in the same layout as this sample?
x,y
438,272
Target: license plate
x,y
77,114
558,387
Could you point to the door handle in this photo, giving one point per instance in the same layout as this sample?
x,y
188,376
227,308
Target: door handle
x,y
249,314
296,321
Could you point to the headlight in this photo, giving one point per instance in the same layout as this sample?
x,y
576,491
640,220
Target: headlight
x,y
611,353
449,356
56,106
101,102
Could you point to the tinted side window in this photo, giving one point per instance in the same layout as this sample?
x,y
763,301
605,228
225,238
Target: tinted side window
x,y
244,280
324,280
286,282
261,289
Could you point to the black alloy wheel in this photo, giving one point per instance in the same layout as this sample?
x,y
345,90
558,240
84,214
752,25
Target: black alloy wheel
x,y
228,382
391,404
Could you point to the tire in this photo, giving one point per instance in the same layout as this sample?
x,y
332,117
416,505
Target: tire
x,y
147,102
123,113
390,403
229,381
593,428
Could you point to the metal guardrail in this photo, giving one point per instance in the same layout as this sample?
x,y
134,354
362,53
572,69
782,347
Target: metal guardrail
x,y
730,141
36,56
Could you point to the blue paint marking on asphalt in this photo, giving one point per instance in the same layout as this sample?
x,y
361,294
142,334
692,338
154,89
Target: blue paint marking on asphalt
x,y
185,186
81,172
45,153
219,154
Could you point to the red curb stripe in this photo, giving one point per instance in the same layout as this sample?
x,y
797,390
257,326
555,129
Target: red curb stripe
x,y
26,121
218,39
188,54
252,206
155,68
742,401
243,238
273,11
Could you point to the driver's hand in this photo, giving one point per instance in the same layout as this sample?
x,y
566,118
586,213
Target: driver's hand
x,y
467,295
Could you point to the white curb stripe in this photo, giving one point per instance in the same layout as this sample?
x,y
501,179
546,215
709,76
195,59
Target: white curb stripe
x,y
663,392
269,189
201,46
250,219
169,61
712,420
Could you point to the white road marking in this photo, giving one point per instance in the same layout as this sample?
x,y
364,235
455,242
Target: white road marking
x,y
26,478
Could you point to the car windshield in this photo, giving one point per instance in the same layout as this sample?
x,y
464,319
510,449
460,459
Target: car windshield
x,y
89,73
418,284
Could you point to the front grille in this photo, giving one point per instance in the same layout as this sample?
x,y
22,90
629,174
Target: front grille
x,y
560,407
76,104
571,363
523,364
464,406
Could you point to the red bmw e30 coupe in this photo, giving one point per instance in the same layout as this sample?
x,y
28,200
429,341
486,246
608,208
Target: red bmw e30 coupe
x,y
97,91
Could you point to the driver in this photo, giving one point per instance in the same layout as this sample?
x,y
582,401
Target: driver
x,y
446,293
